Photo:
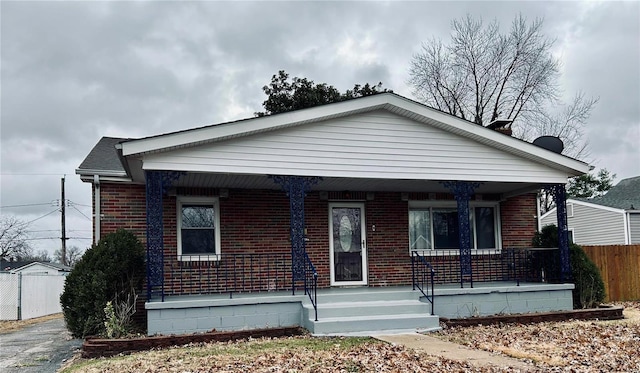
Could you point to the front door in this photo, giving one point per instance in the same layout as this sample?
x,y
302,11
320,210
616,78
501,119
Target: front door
x,y
347,244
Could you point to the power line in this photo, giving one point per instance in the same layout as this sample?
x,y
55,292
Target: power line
x,y
30,174
47,214
78,204
56,238
26,205
81,213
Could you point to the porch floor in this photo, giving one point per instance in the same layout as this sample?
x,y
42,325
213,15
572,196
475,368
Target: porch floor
x,y
439,289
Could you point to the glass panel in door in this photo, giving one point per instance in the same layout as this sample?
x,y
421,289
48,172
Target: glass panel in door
x,y
348,244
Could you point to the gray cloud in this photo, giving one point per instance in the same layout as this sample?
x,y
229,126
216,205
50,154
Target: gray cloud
x,y
73,71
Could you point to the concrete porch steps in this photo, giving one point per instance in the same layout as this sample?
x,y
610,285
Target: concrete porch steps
x,y
363,312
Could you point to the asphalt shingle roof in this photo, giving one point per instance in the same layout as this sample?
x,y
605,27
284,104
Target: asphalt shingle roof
x,y
104,156
625,195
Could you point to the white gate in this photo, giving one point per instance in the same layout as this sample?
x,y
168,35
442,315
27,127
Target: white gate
x,y
29,295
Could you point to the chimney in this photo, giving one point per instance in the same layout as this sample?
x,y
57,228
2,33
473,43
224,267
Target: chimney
x,y
501,125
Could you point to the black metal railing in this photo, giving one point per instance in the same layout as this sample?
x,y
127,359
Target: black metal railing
x,y
534,264
422,276
227,273
511,264
311,283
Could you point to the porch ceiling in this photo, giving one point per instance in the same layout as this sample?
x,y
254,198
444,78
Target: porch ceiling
x,y
231,181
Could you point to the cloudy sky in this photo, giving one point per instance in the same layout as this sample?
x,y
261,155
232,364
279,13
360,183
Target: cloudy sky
x,y
72,72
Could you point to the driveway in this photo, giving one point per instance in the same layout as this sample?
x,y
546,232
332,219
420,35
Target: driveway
x,y
42,347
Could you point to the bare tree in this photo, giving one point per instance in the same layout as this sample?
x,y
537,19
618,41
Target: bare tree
x,y
13,238
483,75
40,256
73,255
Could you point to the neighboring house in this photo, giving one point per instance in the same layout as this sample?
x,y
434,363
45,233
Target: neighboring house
x,y
8,265
35,267
327,211
613,219
46,268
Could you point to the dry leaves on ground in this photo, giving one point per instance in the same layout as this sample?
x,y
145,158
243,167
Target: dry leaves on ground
x,y
576,346
293,354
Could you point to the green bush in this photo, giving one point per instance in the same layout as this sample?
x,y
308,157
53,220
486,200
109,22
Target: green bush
x,y
110,270
589,291
589,288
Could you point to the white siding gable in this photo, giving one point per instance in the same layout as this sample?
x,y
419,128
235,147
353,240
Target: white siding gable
x,y
377,144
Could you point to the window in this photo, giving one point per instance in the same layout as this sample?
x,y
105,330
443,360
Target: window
x,y
569,210
570,235
434,226
198,228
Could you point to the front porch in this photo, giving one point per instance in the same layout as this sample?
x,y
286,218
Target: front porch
x,y
251,291
353,310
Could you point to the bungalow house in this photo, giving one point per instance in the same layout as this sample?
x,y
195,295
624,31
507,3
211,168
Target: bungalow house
x,y
613,219
376,213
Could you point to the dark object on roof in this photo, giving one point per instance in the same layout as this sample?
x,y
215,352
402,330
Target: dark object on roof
x,y
500,123
550,143
104,157
624,195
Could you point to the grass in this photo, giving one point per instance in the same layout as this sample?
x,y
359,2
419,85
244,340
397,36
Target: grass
x,y
238,353
586,346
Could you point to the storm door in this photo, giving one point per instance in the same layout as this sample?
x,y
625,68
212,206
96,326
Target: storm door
x,y
347,244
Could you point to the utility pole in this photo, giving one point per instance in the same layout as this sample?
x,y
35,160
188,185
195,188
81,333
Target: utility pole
x,y
63,203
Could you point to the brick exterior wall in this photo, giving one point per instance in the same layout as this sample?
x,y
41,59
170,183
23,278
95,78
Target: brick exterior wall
x,y
257,221
519,221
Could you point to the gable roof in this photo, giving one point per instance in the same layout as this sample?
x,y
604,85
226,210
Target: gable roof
x,y
388,101
22,265
625,195
104,159
11,265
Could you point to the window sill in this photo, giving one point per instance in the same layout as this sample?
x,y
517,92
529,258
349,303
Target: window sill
x,y
199,258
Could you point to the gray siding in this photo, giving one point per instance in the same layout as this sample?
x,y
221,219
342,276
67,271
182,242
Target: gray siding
x,y
552,218
594,226
378,144
634,225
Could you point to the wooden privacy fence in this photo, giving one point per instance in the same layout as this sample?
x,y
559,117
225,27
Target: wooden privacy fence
x,y
620,269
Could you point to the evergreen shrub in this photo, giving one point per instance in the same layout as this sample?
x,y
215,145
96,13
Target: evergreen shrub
x,y
589,287
111,270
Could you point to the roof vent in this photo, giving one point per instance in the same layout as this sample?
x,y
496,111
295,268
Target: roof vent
x,y
552,143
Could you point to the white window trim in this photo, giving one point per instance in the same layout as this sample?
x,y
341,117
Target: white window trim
x,y
181,200
453,204
573,234
569,210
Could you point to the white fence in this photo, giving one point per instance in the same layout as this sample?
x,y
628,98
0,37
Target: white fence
x,y
29,295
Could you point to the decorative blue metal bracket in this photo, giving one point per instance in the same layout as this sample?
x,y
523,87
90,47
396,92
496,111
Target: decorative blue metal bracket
x,y
296,188
560,197
462,192
157,185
